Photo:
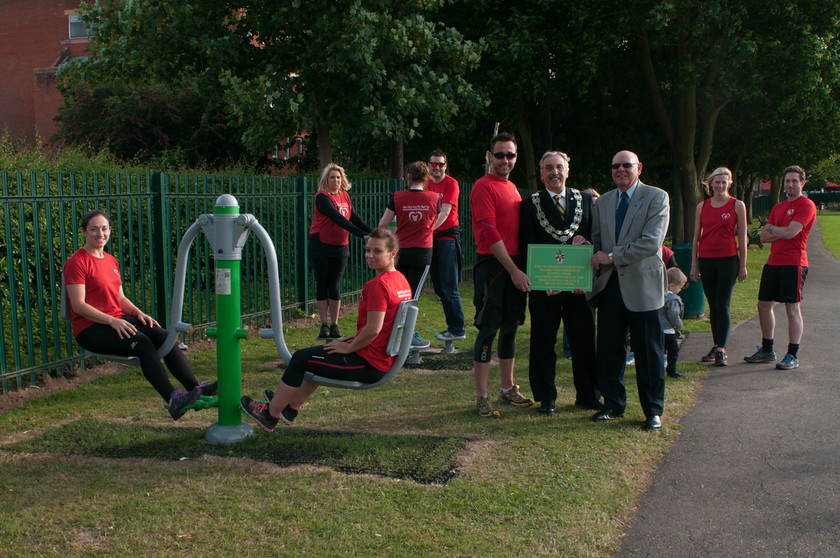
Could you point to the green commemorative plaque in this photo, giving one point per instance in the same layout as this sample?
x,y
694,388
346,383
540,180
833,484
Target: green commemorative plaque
x,y
560,267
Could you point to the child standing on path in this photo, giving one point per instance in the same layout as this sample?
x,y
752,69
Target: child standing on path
x,y
671,317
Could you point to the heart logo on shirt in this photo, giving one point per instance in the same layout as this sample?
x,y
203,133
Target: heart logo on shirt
x,y
415,216
790,211
344,212
726,215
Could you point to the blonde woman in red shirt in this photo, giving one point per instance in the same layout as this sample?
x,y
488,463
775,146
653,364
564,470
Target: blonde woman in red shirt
x,y
329,244
715,258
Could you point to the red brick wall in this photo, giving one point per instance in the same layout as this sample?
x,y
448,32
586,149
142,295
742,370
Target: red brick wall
x,y
33,34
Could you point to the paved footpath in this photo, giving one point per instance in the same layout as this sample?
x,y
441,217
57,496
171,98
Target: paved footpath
x,y
756,471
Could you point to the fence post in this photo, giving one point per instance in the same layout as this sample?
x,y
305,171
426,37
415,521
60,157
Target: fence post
x,y
302,244
158,259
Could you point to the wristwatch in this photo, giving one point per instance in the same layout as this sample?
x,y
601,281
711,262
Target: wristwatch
x,y
771,228
610,257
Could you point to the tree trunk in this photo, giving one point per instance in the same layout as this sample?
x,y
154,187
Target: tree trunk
x,y
775,190
397,155
684,189
324,143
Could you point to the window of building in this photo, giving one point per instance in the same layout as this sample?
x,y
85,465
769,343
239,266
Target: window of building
x,y
78,29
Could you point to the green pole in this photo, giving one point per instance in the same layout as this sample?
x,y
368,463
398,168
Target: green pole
x,y
228,351
229,235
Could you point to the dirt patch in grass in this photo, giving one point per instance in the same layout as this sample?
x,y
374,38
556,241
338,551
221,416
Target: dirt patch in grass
x,y
421,458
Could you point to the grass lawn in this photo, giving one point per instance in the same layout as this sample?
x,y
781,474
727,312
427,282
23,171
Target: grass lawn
x,y
407,469
830,224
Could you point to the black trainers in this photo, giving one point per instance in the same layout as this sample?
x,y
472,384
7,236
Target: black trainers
x,y
181,399
288,414
325,332
720,357
334,332
258,410
209,388
761,355
710,357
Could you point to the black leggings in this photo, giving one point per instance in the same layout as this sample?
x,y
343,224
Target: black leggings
x,y
484,342
315,359
101,338
413,273
328,272
672,347
718,276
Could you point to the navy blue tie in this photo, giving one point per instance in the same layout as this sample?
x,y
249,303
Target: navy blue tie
x,y
620,213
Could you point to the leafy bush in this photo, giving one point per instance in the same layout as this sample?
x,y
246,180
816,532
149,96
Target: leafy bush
x,y
173,128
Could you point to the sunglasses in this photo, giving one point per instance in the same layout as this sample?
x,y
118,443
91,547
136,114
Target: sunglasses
x,y
509,156
435,165
616,166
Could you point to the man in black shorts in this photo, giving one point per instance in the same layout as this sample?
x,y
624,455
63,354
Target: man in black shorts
x,y
783,277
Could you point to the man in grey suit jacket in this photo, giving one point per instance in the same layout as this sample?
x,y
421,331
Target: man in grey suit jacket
x,y
628,229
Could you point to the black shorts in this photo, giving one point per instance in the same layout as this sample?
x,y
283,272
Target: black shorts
x,y
782,283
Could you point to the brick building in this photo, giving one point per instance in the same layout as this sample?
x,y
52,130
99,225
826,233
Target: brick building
x,y
37,36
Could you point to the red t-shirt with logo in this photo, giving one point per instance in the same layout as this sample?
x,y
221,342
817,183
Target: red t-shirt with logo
x,y
101,278
383,293
329,232
791,251
449,191
717,230
416,211
494,198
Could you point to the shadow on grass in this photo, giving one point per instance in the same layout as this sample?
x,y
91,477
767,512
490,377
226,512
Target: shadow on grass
x,y
423,459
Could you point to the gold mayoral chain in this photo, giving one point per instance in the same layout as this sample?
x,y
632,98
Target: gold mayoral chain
x,y
565,235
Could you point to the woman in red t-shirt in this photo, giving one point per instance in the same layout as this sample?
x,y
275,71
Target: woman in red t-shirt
x,y
105,321
715,259
329,244
362,357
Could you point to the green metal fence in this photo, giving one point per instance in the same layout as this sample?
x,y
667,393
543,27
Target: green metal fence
x,y
39,229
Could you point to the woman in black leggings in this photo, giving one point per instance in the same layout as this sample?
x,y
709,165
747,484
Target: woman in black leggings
x,y
715,259
105,321
362,357
329,244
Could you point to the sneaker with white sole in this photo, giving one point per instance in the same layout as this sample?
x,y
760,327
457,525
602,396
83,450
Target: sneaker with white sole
x,y
418,342
258,410
449,336
514,397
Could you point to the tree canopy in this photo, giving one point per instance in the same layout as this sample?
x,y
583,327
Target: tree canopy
x,y
688,86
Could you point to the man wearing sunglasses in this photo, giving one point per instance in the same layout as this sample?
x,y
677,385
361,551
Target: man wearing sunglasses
x,y
628,230
446,251
559,215
500,283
